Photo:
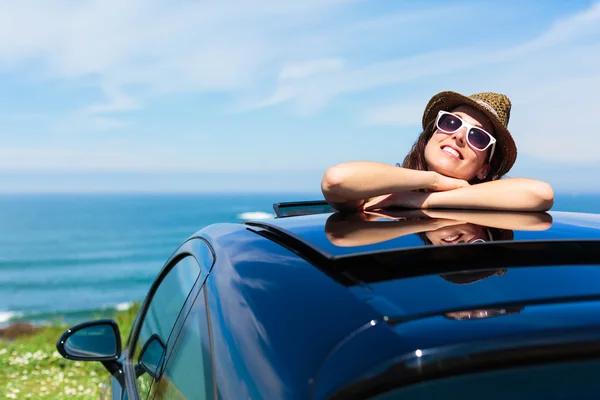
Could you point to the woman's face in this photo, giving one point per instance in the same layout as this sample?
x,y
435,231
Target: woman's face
x,y
449,153
465,233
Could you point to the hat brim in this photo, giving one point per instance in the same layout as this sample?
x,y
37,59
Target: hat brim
x,y
506,148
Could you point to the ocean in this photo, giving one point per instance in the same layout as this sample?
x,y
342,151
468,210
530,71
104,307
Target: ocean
x,y
75,256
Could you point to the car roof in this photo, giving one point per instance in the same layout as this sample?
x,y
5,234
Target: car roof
x,y
310,229
522,266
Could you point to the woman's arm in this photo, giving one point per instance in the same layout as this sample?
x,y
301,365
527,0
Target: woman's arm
x,y
511,194
348,186
362,233
517,221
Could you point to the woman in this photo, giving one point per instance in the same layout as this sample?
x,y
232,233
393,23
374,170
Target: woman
x,y
457,162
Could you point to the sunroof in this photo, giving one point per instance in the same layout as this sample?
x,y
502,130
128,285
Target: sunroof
x,y
352,249
336,234
297,208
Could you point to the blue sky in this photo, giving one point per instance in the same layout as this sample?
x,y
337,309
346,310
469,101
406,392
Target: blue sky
x,y
264,95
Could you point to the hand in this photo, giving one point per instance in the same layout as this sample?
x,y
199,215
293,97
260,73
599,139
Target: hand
x,y
394,214
403,200
423,214
375,201
443,183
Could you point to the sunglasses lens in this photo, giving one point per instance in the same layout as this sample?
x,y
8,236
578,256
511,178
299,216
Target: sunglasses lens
x,y
449,123
478,138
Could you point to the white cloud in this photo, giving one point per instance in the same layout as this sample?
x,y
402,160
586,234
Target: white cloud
x,y
405,114
581,25
448,63
360,78
555,121
141,48
310,68
109,155
288,86
118,101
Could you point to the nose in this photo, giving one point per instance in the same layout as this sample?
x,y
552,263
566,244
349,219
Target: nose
x,y
460,136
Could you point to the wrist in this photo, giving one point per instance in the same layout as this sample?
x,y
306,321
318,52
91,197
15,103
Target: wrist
x,y
433,179
430,200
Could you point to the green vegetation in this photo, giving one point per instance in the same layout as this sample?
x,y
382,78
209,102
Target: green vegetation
x,y
30,366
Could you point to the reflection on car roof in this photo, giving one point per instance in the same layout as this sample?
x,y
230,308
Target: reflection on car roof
x,y
311,231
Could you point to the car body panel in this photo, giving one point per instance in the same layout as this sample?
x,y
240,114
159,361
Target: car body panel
x,y
406,298
429,348
274,317
557,380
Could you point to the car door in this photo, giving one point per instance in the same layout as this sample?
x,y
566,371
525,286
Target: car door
x,y
163,314
188,371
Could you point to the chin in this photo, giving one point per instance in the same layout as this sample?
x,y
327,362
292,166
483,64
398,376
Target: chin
x,y
448,169
443,164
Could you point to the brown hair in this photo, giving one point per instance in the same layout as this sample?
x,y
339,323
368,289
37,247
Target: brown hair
x,y
415,159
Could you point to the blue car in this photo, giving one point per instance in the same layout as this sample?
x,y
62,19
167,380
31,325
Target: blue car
x,y
393,304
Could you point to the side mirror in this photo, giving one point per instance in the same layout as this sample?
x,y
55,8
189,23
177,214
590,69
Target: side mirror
x,y
151,357
91,341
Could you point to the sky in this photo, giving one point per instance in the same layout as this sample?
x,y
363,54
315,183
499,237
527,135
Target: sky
x,y
264,95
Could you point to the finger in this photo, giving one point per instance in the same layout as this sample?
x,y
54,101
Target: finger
x,y
376,216
376,202
371,207
375,206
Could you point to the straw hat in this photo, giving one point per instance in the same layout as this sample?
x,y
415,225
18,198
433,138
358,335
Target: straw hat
x,y
495,106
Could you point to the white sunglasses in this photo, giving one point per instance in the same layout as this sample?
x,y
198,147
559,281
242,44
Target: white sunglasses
x,y
477,138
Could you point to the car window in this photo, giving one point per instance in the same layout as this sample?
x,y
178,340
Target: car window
x,y
191,352
160,318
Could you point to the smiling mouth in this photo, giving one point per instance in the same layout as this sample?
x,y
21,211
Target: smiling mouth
x,y
452,152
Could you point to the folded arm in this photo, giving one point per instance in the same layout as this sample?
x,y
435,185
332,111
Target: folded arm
x,y
521,221
359,185
362,233
510,194
349,186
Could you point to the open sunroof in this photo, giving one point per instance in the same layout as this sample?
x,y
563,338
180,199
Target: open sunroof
x,y
405,257
297,208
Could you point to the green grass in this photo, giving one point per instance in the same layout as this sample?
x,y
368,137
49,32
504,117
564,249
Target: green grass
x,y
30,366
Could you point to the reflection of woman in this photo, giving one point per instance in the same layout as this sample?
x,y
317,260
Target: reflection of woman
x,y
434,227
457,162
465,233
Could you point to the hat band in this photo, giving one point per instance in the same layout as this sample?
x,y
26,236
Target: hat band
x,y
486,105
